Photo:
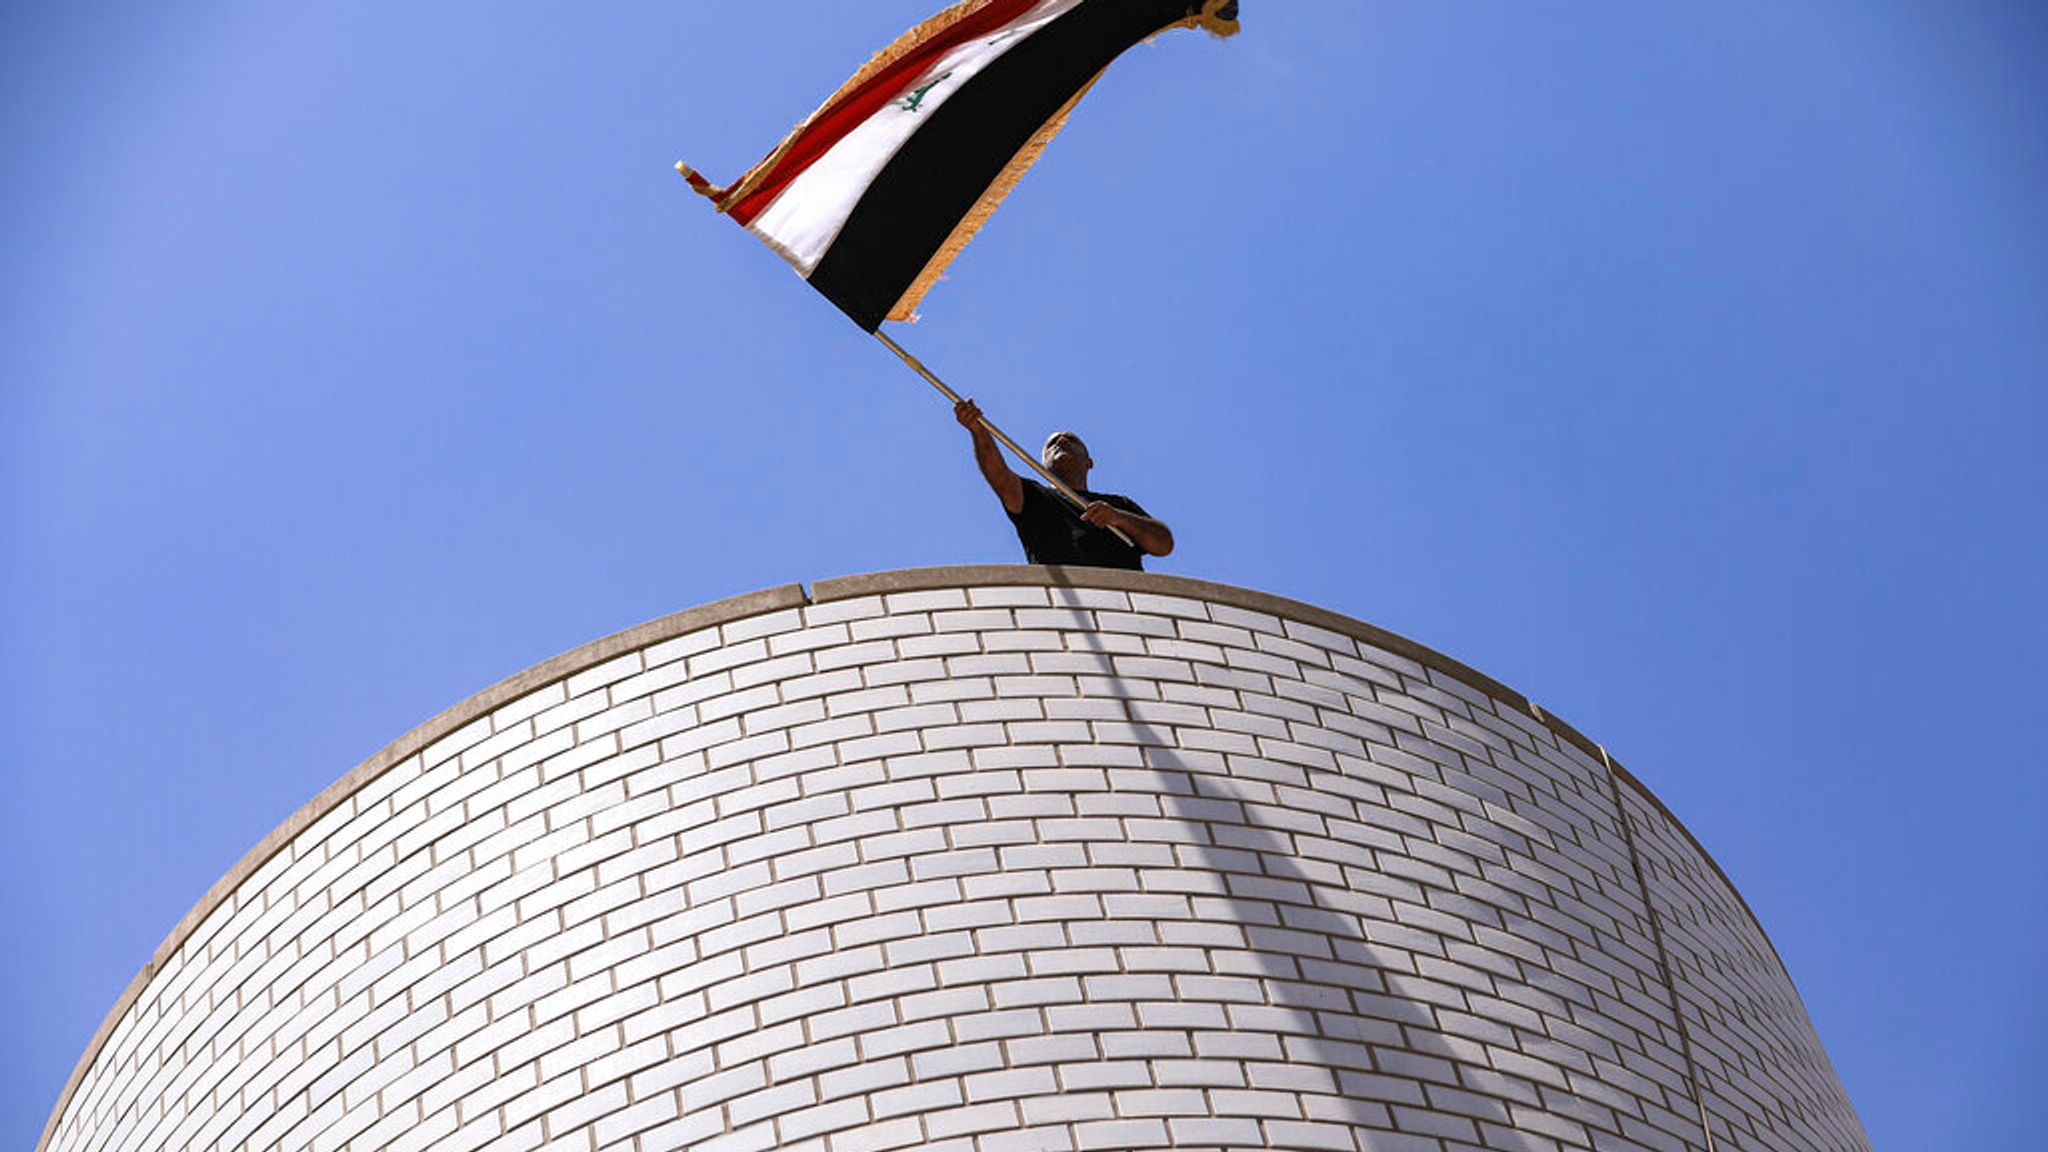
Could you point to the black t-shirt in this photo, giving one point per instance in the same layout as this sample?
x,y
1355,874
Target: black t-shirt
x,y
1053,532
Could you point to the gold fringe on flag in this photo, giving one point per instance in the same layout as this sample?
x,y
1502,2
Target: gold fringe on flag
x,y
905,44
1213,19
906,308
1210,17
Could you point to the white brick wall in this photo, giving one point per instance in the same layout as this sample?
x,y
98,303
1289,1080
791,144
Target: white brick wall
x,y
973,860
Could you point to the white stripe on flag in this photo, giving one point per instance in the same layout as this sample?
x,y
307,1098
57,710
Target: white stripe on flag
x,y
806,218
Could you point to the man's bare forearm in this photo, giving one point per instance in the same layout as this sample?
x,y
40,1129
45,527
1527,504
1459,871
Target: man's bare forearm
x,y
1151,536
989,458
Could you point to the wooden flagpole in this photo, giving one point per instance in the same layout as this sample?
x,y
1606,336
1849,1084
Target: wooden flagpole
x,y
1058,485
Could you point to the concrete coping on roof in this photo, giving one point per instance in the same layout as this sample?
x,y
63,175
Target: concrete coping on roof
x,y
792,596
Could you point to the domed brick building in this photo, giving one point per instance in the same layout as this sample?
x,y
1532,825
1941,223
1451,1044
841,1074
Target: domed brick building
x,y
974,860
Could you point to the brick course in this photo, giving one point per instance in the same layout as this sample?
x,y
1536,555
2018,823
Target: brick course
x,y
974,859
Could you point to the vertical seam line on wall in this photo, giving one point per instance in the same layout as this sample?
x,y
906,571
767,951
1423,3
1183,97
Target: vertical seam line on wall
x,y
1635,859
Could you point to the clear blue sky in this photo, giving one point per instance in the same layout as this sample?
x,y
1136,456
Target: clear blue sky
x,y
1684,366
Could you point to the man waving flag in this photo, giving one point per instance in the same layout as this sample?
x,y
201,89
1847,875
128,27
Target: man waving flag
x,y
873,196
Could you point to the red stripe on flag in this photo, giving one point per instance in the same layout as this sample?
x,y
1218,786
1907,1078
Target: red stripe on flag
x,y
829,127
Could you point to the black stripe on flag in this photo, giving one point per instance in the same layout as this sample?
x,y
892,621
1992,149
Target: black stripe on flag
x,y
940,174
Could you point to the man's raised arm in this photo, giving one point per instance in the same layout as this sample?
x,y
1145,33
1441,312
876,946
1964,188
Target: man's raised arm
x,y
1007,487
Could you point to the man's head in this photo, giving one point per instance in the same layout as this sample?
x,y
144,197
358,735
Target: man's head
x,y
1066,457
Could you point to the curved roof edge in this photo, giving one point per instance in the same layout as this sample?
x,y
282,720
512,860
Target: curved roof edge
x,y
826,591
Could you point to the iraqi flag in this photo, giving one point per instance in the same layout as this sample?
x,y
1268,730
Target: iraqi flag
x,y
873,196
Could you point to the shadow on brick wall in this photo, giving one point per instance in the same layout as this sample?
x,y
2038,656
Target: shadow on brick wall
x,y
1367,1058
